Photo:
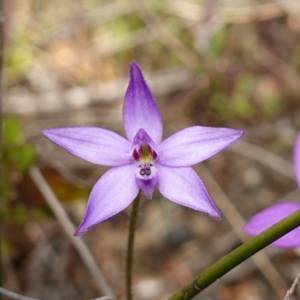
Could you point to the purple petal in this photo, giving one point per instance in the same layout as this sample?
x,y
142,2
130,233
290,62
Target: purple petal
x,y
140,110
113,192
183,186
147,183
96,145
195,144
271,215
297,159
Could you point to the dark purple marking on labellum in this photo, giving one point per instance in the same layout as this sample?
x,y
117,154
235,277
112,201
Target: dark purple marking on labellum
x,y
145,171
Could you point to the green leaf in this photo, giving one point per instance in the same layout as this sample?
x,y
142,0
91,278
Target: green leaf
x,y
217,42
241,107
17,61
12,130
26,157
5,191
244,83
17,214
271,105
219,105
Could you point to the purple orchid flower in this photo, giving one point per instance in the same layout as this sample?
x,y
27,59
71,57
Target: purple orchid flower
x,y
275,213
142,161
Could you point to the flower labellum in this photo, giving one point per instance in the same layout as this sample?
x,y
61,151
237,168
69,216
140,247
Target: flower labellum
x,y
143,161
276,212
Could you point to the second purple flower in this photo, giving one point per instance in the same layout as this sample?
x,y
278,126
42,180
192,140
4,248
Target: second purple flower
x,y
278,211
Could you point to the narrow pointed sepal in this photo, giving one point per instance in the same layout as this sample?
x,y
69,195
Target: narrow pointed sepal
x,y
183,186
95,145
195,144
113,192
139,109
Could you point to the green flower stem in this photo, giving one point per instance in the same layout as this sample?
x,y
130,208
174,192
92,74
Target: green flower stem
x,y
237,256
130,246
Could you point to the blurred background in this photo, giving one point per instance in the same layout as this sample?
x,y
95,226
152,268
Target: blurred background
x,y
230,63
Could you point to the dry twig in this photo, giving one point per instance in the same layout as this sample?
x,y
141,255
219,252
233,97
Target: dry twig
x,y
105,298
68,226
265,157
13,295
293,288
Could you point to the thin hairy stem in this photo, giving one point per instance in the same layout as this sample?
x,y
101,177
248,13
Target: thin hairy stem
x,y
237,256
130,246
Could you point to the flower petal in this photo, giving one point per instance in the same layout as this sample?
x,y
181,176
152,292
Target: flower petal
x,y
113,192
96,145
297,159
140,110
195,144
271,215
183,186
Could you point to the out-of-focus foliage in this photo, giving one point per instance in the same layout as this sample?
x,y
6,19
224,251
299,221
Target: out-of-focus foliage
x,y
18,156
217,43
